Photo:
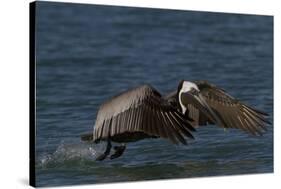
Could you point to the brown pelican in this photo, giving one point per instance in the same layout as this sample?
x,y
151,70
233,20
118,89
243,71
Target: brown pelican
x,y
142,113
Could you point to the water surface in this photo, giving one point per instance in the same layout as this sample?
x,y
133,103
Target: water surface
x,y
85,54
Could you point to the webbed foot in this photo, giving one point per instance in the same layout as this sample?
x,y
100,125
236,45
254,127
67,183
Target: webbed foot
x,y
106,153
119,150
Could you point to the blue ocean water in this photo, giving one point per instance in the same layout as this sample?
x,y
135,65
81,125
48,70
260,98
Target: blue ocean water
x,y
85,54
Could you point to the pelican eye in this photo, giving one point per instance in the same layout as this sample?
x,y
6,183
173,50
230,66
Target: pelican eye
x,y
194,91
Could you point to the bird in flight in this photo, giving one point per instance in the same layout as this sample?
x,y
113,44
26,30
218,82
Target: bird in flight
x,y
143,112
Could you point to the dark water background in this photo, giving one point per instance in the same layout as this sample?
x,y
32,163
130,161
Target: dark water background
x,y
86,54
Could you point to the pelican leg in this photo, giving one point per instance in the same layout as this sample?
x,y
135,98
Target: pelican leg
x,y
119,150
106,153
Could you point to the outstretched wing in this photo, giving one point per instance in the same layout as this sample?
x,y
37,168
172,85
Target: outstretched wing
x,y
141,110
232,112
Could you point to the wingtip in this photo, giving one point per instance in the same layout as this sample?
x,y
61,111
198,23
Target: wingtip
x,y
258,111
192,128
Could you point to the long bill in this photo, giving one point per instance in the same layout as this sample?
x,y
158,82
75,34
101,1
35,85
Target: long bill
x,y
199,102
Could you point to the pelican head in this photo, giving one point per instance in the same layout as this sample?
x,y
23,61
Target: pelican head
x,y
186,88
189,93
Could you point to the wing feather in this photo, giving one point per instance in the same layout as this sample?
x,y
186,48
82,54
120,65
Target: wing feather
x,y
141,110
175,127
169,131
232,112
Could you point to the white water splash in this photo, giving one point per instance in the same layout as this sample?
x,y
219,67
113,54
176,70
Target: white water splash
x,y
71,152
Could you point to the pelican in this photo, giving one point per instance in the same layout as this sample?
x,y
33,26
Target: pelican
x,y
143,112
